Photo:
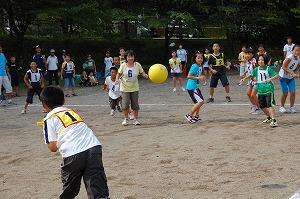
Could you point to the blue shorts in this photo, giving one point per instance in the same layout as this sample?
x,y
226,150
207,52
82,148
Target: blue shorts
x,y
287,85
69,82
215,78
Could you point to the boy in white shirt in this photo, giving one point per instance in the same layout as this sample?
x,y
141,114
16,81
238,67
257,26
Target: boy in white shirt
x,y
108,61
113,88
288,48
81,151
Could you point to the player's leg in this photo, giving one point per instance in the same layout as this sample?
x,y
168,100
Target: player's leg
x,y
213,84
181,81
134,98
50,76
262,98
174,82
56,77
8,88
292,89
72,83
225,84
125,106
285,90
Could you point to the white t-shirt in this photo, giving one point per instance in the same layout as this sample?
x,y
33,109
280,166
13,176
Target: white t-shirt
x,y
292,66
68,129
52,62
288,49
108,61
181,54
113,87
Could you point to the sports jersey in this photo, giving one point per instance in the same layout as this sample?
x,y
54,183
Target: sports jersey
x,y
175,65
195,70
261,74
218,63
288,49
34,76
250,65
108,61
122,60
113,87
292,66
68,69
129,80
181,54
67,128
39,59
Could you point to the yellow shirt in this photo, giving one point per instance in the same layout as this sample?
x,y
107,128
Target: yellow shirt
x,y
242,57
175,65
129,80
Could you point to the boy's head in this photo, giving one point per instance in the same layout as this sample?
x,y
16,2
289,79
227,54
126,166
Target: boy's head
x,y
122,51
180,46
116,61
33,65
289,39
107,54
38,49
261,48
52,52
113,72
52,97
68,57
13,59
216,47
207,51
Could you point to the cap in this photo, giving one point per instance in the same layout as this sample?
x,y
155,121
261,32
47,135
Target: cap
x,y
52,51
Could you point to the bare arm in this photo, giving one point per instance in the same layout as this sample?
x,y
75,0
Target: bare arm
x,y
26,80
285,67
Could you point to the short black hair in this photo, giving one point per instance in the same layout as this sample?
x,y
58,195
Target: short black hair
x,y
249,50
52,96
113,68
121,48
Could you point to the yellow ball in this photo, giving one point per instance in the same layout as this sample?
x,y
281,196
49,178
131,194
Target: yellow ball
x,y
158,73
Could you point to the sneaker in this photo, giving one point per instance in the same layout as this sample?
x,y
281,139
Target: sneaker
x,y
256,111
131,116
210,100
267,120
23,111
183,89
228,99
189,118
273,123
174,90
112,112
293,109
136,122
74,94
196,118
282,109
252,110
125,122
119,109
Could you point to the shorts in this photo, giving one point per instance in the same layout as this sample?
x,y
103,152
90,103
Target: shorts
x,y
87,164
251,85
14,80
242,69
114,102
69,82
287,85
215,78
266,100
177,75
4,81
205,66
183,63
130,99
196,95
30,93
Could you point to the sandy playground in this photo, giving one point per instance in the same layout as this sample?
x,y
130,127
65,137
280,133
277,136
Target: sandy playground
x,y
229,154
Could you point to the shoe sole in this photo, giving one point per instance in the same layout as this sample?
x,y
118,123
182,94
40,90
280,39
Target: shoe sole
x,y
190,121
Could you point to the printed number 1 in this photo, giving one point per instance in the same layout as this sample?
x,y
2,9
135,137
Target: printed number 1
x,y
263,76
71,116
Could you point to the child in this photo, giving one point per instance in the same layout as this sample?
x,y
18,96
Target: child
x,y
13,70
242,60
287,78
122,57
84,79
176,71
108,61
194,75
34,80
93,80
67,74
81,151
205,66
251,91
264,75
114,93
287,49
116,62
217,67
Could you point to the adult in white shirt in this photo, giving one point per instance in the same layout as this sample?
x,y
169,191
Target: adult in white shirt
x,y
108,61
182,55
287,49
52,68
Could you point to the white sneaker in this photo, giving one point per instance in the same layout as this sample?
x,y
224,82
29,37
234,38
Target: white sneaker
x,y
131,116
252,110
23,111
293,109
273,124
112,112
256,111
174,90
282,109
125,123
136,122
183,89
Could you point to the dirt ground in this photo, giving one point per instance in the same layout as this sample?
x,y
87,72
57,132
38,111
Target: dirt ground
x,y
228,154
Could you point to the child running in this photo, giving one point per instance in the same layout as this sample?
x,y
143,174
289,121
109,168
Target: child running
x,y
195,74
114,93
81,151
217,68
287,78
176,71
34,80
264,75
67,74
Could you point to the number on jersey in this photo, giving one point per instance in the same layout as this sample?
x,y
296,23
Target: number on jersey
x,y
69,117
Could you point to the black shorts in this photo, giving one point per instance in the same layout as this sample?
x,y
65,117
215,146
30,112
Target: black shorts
x,y
177,75
14,80
215,78
266,100
114,102
196,95
30,93
87,164
183,63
